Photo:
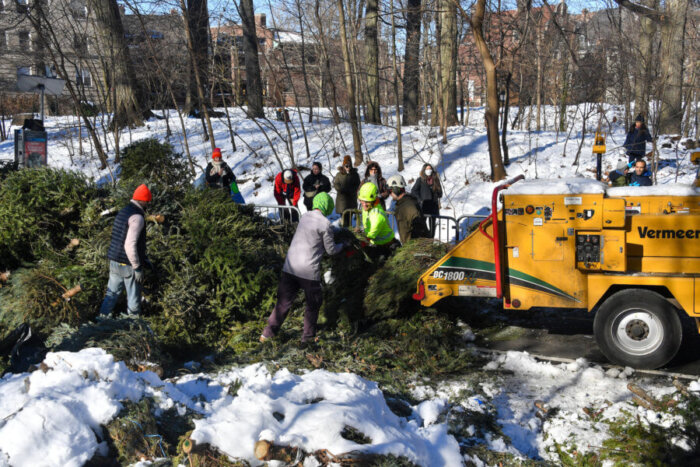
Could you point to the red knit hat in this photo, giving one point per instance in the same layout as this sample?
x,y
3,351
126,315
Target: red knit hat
x,y
142,193
216,154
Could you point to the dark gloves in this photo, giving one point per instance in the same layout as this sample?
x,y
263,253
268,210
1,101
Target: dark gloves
x,y
138,275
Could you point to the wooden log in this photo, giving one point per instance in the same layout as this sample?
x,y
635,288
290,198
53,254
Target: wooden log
x,y
68,294
267,451
72,244
642,394
683,390
5,276
157,218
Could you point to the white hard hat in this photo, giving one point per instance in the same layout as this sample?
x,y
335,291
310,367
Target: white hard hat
x,y
288,175
396,181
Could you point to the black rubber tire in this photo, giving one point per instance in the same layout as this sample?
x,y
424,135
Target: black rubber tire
x,y
638,328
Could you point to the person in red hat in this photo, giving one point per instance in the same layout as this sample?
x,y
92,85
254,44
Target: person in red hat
x,y
127,254
218,174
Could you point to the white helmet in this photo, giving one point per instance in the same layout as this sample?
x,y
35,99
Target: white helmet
x,y
288,175
396,181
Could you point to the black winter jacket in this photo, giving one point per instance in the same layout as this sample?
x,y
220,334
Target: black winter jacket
x,y
219,181
311,180
116,251
428,195
636,142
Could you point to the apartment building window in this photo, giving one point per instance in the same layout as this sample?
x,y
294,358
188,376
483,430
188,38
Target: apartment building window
x,y
83,78
22,5
79,11
24,70
80,43
24,39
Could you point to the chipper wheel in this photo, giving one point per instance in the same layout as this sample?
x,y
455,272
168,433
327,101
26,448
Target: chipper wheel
x,y
638,328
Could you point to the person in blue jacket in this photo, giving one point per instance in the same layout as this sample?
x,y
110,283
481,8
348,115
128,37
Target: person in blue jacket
x,y
641,176
636,140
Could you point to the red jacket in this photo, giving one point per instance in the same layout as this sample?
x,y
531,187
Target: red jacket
x,y
287,191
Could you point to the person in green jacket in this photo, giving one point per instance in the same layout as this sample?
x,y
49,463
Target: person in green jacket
x,y
375,221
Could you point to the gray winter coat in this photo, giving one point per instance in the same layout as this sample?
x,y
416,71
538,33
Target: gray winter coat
x,y
313,237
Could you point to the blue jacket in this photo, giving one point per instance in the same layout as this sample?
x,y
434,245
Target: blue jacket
x,y
636,142
641,180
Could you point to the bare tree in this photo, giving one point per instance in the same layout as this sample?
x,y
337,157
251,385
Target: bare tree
x,y
372,113
253,86
411,75
672,24
127,99
476,20
399,144
350,82
448,62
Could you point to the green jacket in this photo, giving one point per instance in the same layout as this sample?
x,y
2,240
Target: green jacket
x,y
376,225
409,219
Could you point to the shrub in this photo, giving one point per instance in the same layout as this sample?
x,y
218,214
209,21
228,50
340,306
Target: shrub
x,y
40,209
154,163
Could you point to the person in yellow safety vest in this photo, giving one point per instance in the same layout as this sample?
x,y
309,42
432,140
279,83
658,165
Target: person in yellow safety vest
x,y
375,221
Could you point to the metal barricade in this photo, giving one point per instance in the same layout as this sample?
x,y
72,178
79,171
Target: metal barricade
x,y
472,220
277,214
445,227
353,218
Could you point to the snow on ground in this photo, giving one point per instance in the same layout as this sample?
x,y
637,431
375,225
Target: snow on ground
x,y
566,389
51,418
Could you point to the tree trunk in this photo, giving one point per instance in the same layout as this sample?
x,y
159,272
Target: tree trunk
x,y
204,113
411,77
642,88
672,34
253,83
504,130
477,23
197,18
326,62
372,53
399,145
349,81
448,53
436,106
127,103
538,88
670,86
303,63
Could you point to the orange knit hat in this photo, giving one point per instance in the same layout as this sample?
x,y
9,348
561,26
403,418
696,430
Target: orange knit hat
x,y
216,154
142,193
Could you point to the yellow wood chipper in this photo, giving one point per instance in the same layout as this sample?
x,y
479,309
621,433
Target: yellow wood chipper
x,y
631,254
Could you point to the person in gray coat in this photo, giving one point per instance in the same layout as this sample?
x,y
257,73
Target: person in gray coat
x,y
302,268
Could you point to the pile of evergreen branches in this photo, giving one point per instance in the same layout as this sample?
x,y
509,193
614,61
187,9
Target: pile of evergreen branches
x,y
216,262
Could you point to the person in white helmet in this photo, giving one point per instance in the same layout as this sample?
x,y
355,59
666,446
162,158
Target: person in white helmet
x,y
409,217
288,191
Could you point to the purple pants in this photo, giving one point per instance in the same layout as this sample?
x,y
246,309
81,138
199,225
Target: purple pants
x,y
287,290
